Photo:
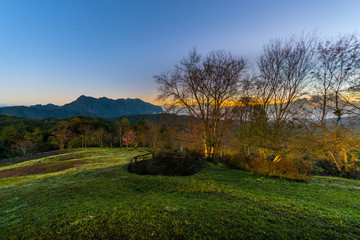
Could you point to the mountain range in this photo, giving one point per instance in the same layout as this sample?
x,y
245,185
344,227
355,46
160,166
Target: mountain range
x,y
84,105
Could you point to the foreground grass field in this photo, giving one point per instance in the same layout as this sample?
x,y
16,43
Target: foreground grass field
x,y
89,194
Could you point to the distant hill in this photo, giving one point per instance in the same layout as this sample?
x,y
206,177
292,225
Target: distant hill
x,y
87,106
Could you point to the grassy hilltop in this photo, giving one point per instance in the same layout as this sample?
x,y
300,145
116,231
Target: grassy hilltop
x,y
90,194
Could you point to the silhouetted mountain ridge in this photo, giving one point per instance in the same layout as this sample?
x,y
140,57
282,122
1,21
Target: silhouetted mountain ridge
x,y
45,107
84,105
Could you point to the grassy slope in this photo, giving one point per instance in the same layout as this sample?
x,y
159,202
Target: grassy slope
x,y
102,200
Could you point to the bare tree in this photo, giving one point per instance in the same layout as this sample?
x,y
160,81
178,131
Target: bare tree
x,y
26,144
205,88
336,75
101,136
337,70
284,68
62,134
120,128
86,130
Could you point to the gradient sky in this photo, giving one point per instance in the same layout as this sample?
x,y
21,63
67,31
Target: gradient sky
x,y
54,51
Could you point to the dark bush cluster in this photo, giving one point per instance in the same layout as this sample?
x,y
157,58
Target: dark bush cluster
x,y
169,164
324,167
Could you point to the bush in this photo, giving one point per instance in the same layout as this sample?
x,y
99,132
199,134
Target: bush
x,y
76,142
354,172
2,149
290,168
324,167
238,161
169,164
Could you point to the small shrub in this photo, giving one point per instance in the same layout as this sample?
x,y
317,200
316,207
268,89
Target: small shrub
x,y
76,142
353,173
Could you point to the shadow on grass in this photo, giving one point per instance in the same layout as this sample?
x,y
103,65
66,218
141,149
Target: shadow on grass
x,y
12,161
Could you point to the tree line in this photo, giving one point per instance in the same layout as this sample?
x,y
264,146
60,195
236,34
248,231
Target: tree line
x,y
296,106
19,136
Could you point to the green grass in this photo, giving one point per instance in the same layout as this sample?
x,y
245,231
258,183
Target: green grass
x,y
101,200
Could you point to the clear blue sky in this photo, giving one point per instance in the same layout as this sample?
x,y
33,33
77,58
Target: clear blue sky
x,y
56,50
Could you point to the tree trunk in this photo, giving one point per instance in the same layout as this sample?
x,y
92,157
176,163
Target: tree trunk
x,y
336,163
345,159
277,159
206,154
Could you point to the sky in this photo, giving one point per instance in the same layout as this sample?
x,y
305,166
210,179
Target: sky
x,y
53,51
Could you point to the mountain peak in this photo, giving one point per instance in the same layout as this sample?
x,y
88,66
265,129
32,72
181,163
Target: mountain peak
x,y
84,97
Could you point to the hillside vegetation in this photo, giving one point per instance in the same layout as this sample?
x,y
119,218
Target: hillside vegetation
x,y
89,194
